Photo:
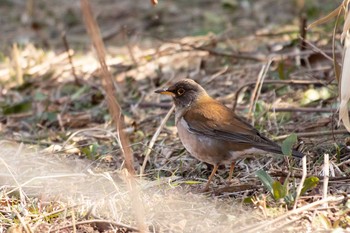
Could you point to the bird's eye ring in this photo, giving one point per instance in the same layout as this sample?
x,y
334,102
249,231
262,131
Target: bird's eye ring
x,y
180,91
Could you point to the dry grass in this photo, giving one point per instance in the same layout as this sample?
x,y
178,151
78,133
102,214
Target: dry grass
x,y
58,189
68,174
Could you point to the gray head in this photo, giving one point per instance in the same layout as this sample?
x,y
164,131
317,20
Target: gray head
x,y
184,92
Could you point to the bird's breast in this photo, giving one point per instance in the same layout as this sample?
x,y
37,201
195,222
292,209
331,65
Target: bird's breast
x,y
200,146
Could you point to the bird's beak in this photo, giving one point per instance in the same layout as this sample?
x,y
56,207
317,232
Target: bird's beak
x,y
164,92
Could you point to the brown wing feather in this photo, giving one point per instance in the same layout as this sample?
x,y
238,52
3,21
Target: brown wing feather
x,y
203,119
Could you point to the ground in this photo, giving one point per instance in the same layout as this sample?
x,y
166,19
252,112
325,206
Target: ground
x,y
62,168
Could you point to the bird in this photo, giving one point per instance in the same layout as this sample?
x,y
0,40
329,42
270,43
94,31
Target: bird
x,y
212,132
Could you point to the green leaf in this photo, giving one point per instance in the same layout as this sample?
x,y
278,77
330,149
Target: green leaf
x,y
39,96
189,182
192,182
280,69
79,92
50,117
248,200
338,152
279,191
289,198
21,107
288,143
310,183
326,222
229,4
266,179
90,151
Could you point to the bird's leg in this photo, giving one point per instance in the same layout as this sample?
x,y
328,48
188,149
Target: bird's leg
x,y
232,168
211,177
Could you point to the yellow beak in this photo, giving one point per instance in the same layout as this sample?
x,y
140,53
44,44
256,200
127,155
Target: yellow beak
x,y
165,92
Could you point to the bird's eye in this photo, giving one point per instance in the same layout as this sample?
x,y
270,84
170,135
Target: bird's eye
x,y
180,91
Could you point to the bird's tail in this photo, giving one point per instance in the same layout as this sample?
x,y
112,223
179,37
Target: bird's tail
x,y
275,148
297,154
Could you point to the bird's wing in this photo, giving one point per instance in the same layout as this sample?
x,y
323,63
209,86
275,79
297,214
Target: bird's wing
x,y
215,120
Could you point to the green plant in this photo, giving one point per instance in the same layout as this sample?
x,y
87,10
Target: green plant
x,y
279,191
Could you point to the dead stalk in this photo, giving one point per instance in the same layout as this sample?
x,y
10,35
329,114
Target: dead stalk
x,y
300,187
154,138
73,222
115,111
17,59
26,228
325,178
113,105
70,59
257,89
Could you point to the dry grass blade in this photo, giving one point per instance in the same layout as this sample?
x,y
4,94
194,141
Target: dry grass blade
x,y
290,213
346,27
300,187
345,78
154,138
325,177
328,17
113,105
74,226
25,226
257,89
115,111
337,68
16,58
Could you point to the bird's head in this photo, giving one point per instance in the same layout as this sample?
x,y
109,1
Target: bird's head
x,y
184,92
